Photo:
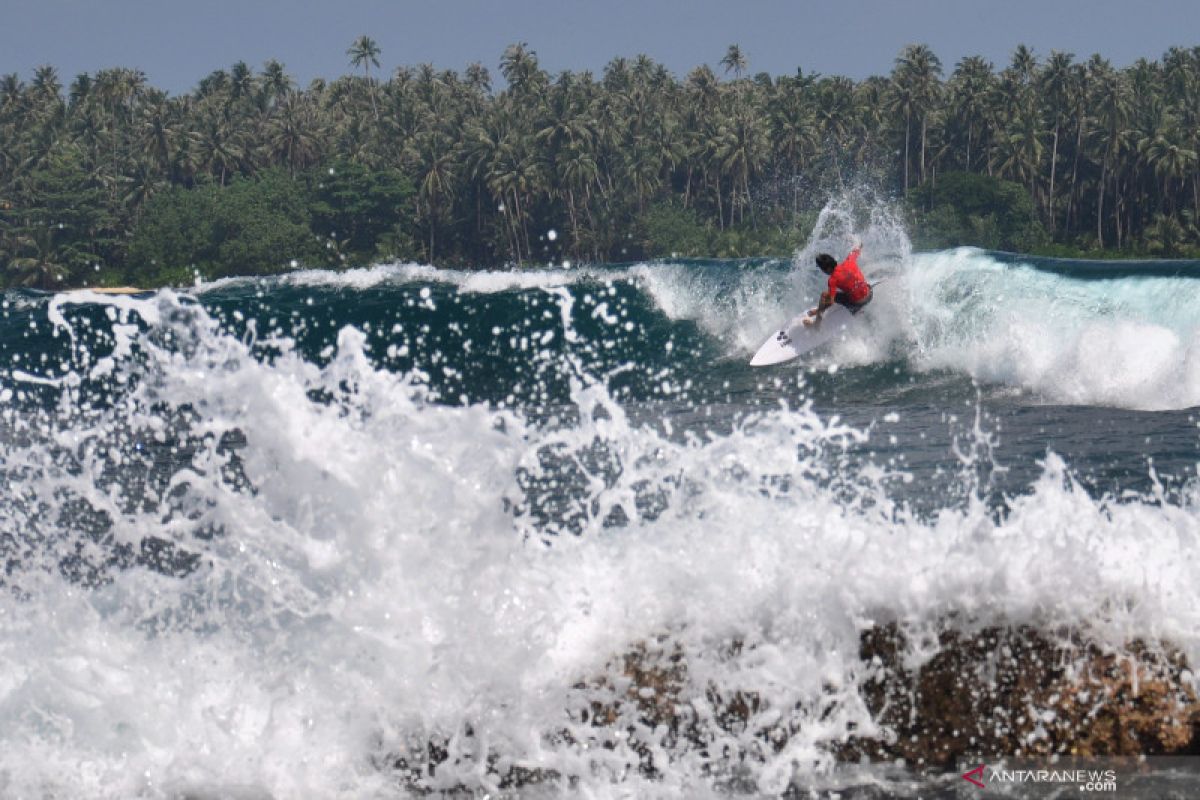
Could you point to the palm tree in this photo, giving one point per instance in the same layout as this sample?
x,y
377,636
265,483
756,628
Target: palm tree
x,y
216,149
576,171
739,150
241,81
12,92
38,268
793,124
365,53
734,61
291,136
835,112
141,183
276,83
46,85
215,83
434,157
1167,234
159,134
915,90
478,78
1021,150
970,87
1166,152
1110,101
1024,65
1057,84
519,66
81,87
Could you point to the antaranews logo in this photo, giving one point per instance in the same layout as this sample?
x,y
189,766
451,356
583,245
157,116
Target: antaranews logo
x,y
975,776
1087,780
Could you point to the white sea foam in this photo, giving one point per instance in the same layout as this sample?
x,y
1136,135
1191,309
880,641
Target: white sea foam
x,y
1132,342
468,281
1129,342
376,588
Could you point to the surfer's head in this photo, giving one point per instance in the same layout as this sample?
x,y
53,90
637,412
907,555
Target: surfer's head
x,y
827,263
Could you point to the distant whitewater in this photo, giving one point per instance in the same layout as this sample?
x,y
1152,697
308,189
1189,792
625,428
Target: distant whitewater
x,y
265,538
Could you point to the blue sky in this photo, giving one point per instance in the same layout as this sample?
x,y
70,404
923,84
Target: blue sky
x,y
177,43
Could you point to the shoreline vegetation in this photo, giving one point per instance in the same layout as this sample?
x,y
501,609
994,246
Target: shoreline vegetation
x,y
108,181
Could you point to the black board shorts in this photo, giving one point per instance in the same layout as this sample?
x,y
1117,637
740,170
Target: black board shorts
x,y
843,300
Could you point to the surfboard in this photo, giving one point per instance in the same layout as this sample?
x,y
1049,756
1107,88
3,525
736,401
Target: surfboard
x,y
118,290
795,339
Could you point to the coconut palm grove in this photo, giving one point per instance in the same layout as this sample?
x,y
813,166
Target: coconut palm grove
x,y
107,180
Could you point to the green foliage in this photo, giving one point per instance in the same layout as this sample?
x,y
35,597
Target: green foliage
x,y
254,226
57,237
675,231
965,209
174,235
1172,237
358,212
262,226
438,165
744,241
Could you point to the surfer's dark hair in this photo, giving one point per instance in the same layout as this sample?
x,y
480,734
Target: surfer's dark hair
x,y
826,262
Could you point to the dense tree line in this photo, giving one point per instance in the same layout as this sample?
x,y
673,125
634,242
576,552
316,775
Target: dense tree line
x,y
113,180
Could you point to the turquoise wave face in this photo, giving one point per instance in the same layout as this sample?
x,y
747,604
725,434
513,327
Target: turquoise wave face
x,y
1082,333
1083,269
507,347
1079,333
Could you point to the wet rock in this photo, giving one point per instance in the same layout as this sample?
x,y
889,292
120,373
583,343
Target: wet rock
x,y
995,691
1020,691
999,690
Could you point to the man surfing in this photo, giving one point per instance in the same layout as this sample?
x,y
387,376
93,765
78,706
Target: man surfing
x,y
847,286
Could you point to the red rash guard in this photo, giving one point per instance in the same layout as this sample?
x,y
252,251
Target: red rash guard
x,y
848,279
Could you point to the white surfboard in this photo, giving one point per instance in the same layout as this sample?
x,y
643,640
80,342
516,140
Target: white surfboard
x,y
796,338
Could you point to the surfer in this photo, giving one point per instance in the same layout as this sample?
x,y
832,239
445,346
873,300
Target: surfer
x,y
847,286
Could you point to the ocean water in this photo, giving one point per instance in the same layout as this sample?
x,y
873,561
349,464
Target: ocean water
x,y
286,537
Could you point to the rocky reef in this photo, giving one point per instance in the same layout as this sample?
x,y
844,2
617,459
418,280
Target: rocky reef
x,y
970,694
1024,692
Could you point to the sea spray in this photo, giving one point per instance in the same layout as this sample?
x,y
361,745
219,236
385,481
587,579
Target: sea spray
x,y
1128,341
359,565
